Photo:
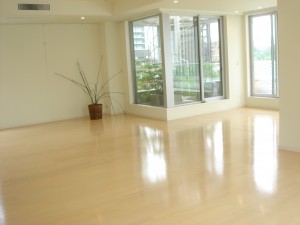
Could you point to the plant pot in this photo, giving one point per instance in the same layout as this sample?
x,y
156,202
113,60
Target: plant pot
x,y
95,111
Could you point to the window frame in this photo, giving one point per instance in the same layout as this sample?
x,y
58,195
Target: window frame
x,y
222,61
198,61
132,57
164,21
274,52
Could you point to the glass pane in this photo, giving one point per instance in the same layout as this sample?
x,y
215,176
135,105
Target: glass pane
x,y
211,57
147,61
263,61
185,60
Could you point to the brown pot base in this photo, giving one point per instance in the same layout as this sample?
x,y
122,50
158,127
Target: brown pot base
x,y
95,111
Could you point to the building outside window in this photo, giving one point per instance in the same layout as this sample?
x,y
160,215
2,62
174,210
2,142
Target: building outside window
x,y
195,49
263,55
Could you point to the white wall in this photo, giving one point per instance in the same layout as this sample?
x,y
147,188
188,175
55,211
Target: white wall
x,y
235,81
111,51
62,11
262,103
289,48
133,8
29,56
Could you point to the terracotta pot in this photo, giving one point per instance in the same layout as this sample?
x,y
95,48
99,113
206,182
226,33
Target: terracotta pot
x,y
95,111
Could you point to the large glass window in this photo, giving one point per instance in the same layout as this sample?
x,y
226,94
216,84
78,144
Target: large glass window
x,y
147,61
263,50
211,57
185,58
192,59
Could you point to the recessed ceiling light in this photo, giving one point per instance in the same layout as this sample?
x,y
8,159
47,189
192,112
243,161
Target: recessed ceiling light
x,y
236,11
82,17
176,1
259,7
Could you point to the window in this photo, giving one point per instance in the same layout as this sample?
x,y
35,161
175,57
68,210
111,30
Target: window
x,y
193,59
263,55
147,61
185,55
211,58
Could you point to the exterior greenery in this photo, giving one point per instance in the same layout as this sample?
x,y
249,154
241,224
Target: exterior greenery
x,y
148,80
262,54
149,76
209,73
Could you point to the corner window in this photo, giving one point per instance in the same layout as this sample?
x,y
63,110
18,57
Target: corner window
x,y
263,55
186,68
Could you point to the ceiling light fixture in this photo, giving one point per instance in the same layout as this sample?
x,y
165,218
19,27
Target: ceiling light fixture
x,y
82,17
259,7
175,1
236,11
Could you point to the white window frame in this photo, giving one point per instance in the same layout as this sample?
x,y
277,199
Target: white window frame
x,y
167,63
274,49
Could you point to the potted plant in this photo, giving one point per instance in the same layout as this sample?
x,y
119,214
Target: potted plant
x,y
96,92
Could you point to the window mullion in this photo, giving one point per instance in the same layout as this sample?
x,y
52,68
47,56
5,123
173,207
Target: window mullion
x,y
200,60
272,55
167,61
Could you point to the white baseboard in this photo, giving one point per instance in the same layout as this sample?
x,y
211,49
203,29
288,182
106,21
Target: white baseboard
x,y
281,147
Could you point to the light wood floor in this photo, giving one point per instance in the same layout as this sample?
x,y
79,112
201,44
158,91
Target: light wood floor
x,y
218,169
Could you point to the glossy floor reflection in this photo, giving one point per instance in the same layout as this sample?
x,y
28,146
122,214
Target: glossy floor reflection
x,y
218,169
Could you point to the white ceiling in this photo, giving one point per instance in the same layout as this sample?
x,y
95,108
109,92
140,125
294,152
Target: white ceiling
x,y
70,11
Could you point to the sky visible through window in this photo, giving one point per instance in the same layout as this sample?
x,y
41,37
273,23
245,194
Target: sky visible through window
x,y
262,32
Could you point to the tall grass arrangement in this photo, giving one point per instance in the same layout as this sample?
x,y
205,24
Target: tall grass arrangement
x,y
95,91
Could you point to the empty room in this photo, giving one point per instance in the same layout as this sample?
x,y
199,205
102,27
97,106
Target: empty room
x,y
149,112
